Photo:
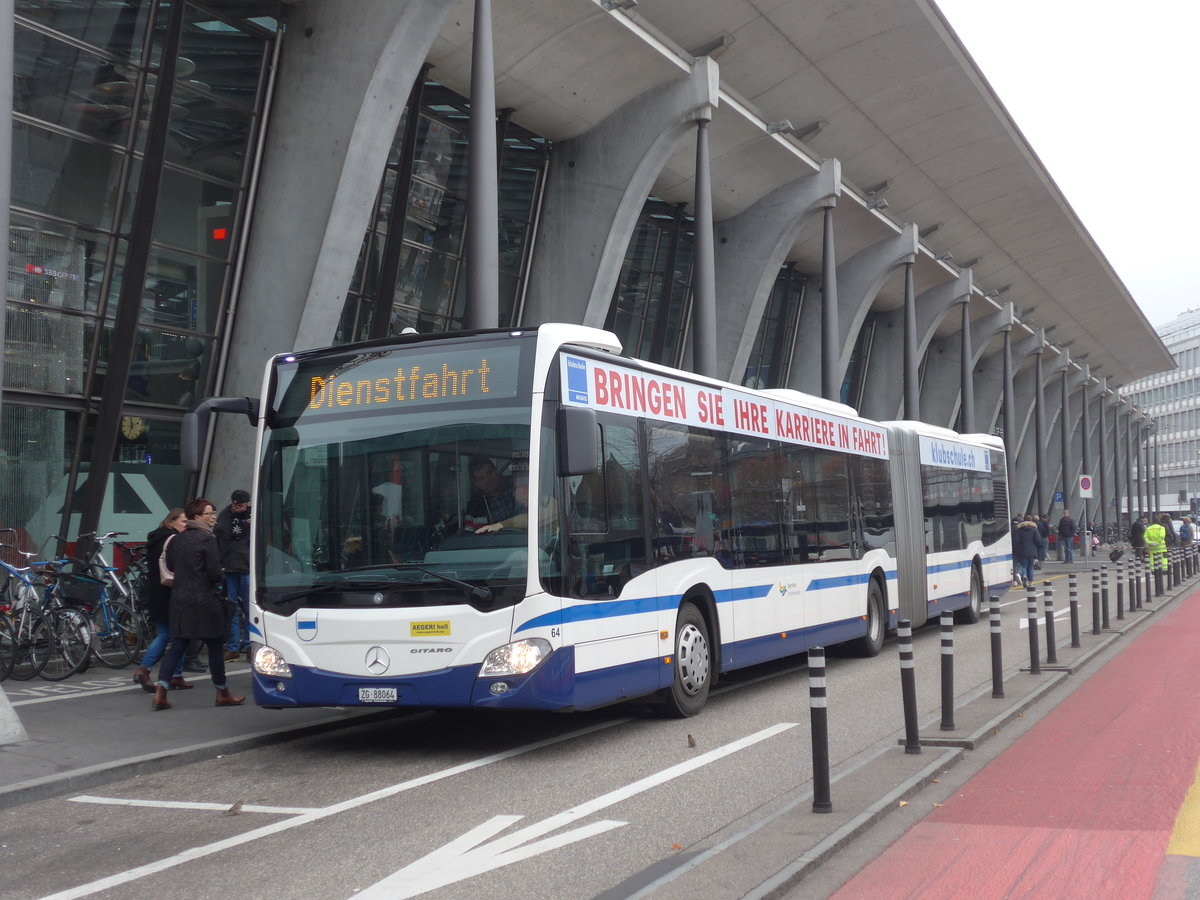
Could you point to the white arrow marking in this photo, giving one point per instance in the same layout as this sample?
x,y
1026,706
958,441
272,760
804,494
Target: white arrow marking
x,y
464,857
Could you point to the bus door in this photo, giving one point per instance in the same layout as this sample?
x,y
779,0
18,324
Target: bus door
x,y
911,537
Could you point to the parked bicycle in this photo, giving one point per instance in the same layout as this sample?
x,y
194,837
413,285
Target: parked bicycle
x,y
44,639
92,586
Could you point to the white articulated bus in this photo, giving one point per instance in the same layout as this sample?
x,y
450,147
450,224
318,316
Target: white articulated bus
x,y
526,519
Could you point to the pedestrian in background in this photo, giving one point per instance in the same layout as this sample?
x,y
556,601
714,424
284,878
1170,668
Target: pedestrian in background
x,y
1043,527
1185,531
1027,543
233,540
1137,537
1156,542
197,608
158,598
1066,536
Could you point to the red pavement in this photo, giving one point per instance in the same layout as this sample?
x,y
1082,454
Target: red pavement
x,y
1083,805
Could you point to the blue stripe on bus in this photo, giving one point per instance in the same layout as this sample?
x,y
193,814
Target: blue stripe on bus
x,y
306,625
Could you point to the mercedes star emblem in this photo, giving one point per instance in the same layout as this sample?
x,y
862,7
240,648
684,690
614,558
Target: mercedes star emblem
x,y
377,660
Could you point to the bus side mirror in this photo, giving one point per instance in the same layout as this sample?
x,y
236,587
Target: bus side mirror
x,y
193,431
577,441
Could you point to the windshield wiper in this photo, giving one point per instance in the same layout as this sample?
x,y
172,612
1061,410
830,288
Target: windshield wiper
x,y
482,594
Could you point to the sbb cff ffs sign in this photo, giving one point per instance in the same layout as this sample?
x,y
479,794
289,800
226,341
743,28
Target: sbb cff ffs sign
x,y
1085,485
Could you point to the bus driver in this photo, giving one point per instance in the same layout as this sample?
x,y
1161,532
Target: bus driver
x,y
493,499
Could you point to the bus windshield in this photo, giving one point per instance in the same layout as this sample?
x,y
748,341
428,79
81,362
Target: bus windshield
x,y
375,485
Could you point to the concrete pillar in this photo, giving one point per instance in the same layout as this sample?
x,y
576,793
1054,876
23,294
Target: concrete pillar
x,y
337,104
859,280
966,419
704,279
883,393
596,188
988,369
483,182
751,247
912,375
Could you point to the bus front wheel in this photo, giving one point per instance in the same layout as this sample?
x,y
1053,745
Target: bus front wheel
x,y
693,665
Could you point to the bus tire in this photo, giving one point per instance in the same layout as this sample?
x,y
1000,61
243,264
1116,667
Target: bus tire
x,y
693,665
973,611
872,642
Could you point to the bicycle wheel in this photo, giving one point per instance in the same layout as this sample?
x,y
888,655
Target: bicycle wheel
x,y
69,640
115,634
31,635
8,646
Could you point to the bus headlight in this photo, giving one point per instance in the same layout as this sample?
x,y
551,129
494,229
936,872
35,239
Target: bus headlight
x,y
268,661
517,658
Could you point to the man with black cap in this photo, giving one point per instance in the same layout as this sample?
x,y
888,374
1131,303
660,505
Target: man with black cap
x,y
233,540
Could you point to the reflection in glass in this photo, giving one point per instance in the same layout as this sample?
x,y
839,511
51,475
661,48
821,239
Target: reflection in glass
x,y
35,445
45,351
67,178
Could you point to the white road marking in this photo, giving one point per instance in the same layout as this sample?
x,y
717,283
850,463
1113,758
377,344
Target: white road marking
x,y
464,857
185,804
103,884
47,693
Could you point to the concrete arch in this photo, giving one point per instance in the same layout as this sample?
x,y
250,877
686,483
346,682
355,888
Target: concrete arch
x,y
941,395
859,280
883,392
598,184
751,247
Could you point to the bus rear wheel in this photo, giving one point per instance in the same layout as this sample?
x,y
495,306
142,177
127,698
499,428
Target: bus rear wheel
x,y
971,613
693,665
872,642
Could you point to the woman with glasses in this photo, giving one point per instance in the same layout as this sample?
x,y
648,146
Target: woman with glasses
x,y
197,608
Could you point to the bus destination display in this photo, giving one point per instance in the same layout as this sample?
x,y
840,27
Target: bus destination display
x,y
405,380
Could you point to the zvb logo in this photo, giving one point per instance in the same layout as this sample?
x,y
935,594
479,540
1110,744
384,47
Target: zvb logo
x,y
782,588
377,660
577,379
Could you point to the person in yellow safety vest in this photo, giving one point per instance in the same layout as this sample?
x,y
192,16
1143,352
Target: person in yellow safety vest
x,y
1156,546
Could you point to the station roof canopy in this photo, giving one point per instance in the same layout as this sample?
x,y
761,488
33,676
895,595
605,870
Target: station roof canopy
x,y
883,86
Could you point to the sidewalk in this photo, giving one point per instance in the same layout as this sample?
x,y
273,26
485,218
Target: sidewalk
x,y
1103,777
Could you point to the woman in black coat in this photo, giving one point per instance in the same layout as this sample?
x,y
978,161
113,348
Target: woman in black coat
x,y
157,597
197,609
1027,543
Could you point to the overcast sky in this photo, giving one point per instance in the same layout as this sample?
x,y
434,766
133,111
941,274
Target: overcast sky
x,y
1107,93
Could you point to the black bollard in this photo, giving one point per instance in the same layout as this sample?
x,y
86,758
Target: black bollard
x,y
1095,602
1073,599
908,687
818,710
1120,590
1104,596
1048,600
947,671
997,656
1159,589
1147,569
1031,612
1135,584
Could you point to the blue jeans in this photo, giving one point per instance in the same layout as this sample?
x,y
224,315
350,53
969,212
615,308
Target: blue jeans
x,y
156,648
1025,568
1069,550
237,590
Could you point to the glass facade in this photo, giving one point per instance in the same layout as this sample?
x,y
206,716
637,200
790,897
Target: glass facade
x,y
85,86
770,359
651,304
428,288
